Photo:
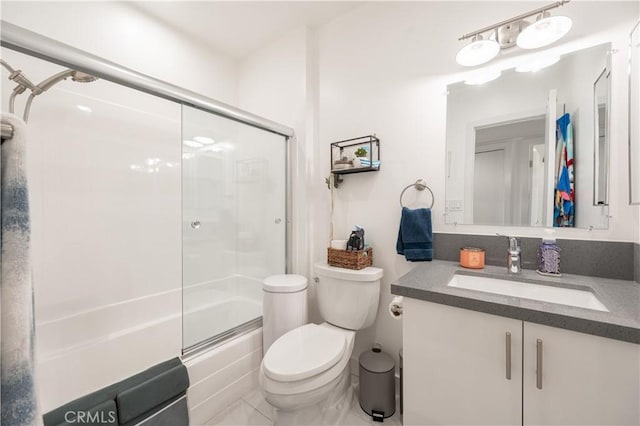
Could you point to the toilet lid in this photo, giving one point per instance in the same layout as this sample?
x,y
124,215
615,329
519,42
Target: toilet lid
x,y
287,283
304,352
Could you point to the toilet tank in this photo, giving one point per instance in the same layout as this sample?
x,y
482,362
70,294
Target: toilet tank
x,y
348,298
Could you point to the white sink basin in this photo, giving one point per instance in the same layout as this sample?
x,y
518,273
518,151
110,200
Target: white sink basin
x,y
543,293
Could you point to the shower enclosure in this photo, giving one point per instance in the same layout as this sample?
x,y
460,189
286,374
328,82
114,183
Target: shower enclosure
x,y
139,255
233,223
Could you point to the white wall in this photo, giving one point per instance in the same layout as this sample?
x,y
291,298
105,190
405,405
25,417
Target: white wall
x,y
279,82
384,68
121,33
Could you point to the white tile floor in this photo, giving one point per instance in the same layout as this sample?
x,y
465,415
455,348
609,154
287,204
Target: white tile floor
x,y
252,410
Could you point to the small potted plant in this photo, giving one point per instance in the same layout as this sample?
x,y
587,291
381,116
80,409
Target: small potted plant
x,y
360,153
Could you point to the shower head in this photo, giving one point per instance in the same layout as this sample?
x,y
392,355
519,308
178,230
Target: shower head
x,y
75,75
80,77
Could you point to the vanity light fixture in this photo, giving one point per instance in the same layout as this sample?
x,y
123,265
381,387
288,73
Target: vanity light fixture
x,y
518,31
478,52
546,30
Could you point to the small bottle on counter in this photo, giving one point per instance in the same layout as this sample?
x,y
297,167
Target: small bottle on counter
x,y
549,257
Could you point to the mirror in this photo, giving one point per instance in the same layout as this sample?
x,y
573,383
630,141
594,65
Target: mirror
x,y
601,91
526,149
634,113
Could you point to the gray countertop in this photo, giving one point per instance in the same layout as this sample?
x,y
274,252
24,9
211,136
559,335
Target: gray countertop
x,y
428,281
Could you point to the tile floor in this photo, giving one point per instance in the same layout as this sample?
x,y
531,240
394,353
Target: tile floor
x,y
253,410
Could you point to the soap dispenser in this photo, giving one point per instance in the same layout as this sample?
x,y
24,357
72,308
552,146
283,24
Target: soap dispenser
x,y
549,257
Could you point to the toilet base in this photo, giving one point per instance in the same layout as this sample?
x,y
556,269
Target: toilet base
x,y
330,410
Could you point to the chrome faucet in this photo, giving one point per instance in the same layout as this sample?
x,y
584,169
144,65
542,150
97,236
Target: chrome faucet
x,y
513,255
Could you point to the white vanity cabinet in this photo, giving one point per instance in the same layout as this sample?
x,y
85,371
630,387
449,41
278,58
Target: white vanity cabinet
x,y
456,363
585,380
455,366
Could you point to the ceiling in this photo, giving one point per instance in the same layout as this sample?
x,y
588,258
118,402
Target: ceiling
x,y
238,28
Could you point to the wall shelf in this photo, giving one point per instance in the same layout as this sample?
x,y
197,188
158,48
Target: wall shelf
x,y
344,160
355,170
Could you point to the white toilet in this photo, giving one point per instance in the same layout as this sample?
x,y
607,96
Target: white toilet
x,y
305,373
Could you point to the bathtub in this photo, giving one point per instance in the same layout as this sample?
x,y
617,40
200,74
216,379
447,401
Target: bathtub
x,y
81,353
214,307
216,318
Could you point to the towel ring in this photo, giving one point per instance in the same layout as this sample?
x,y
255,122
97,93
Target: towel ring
x,y
420,185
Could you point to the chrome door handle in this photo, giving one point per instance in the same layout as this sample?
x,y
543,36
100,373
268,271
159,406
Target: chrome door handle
x,y
539,364
508,354
195,224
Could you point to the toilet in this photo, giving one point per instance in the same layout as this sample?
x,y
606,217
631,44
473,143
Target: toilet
x,y
305,373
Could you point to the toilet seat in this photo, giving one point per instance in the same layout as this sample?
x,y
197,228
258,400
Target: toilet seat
x,y
304,352
315,376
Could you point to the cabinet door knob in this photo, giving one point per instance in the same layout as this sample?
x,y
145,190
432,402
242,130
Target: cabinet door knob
x,y
539,363
508,354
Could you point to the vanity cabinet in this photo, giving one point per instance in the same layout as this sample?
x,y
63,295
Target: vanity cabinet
x,y
457,364
586,380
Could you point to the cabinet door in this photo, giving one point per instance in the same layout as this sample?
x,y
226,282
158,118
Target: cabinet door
x,y
455,366
585,379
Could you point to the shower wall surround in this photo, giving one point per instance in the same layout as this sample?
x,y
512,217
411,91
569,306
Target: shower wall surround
x,y
104,175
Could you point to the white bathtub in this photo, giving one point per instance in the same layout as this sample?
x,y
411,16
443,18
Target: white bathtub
x,y
81,353
205,322
214,307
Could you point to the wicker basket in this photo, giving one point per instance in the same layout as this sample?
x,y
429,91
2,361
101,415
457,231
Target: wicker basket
x,y
350,259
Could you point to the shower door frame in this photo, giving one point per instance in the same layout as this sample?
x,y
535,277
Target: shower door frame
x,y
19,39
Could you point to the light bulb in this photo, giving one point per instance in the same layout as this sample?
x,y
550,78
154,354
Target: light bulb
x,y
477,52
546,30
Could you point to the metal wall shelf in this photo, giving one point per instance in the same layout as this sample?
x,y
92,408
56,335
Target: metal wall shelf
x,y
344,160
355,170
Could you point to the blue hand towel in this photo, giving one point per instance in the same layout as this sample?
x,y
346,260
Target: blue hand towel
x,y
415,236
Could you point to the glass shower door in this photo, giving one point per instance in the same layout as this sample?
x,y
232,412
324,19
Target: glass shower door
x,y
233,222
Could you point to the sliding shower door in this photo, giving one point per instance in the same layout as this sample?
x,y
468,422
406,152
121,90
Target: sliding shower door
x,y
233,223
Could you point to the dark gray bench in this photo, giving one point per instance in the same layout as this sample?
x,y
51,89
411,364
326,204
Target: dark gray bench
x,y
154,397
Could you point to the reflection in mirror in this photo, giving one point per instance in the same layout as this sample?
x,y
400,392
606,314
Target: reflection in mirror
x,y
634,113
520,149
601,93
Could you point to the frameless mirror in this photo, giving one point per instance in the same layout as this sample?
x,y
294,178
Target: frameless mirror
x,y
634,113
521,149
601,95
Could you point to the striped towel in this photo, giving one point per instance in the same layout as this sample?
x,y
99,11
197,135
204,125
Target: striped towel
x,y
365,162
18,403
